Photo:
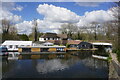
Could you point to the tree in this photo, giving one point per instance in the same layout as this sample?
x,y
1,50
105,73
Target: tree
x,y
68,29
5,26
9,32
23,37
35,30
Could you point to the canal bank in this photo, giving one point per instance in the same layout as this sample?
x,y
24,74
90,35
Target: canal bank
x,y
114,68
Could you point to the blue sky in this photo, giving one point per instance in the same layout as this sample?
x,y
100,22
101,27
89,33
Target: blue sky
x,y
29,11
52,15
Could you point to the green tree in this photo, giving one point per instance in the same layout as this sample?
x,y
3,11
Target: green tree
x,y
23,37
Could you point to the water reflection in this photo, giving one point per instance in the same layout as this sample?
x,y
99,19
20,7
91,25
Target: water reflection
x,y
76,64
51,65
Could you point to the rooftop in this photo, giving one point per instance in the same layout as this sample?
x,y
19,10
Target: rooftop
x,y
11,42
73,41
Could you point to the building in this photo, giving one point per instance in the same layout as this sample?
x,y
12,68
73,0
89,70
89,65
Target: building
x,y
85,45
73,43
13,45
79,44
52,36
62,36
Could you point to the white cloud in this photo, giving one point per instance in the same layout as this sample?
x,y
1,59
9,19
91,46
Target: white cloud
x,y
24,27
57,14
10,16
7,14
54,17
43,26
18,8
98,16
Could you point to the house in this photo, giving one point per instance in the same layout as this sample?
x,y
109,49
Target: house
x,y
62,36
13,45
73,43
79,44
85,45
49,36
52,36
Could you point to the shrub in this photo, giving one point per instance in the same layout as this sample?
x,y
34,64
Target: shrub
x,y
118,55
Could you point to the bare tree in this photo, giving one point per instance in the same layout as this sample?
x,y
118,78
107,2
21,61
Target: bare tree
x,y
9,31
68,29
5,26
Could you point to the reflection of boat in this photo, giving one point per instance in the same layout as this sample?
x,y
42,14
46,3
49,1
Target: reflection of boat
x,y
3,51
100,57
13,55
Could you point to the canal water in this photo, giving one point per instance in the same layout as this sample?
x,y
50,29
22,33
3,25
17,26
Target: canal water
x,y
74,64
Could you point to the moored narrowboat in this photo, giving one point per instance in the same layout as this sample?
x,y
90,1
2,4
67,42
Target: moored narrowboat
x,y
42,49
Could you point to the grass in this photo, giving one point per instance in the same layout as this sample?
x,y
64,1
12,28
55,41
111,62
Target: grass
x,y
109,58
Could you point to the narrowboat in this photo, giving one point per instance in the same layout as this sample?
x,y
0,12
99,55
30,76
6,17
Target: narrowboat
x,y
42,49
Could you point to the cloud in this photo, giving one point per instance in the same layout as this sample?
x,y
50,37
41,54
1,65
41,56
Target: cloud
x,y
7,14
51,65
43,26
18,8
10,16
24,27
54,17
57,14
99,16
88,4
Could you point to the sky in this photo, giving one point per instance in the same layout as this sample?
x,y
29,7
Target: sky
x,y
51,15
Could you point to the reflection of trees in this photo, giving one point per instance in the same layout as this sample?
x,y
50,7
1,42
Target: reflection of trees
x,y
6,67
101,52
82,54
94,63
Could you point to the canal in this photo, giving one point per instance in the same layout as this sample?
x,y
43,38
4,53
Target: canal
x,y
75,64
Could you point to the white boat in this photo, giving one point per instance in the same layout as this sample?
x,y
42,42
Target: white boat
x,y
13,45
100,57
13,55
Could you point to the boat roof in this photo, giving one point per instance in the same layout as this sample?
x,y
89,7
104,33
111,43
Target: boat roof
x,y
48,43
101,43
11,42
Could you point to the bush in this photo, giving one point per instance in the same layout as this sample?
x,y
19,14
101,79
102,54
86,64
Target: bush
x,y
118,55
67,45
114,50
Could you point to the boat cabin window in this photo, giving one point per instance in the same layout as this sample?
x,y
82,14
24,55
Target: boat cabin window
x,y
26,49
10,46
44,49
60,49
16,46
